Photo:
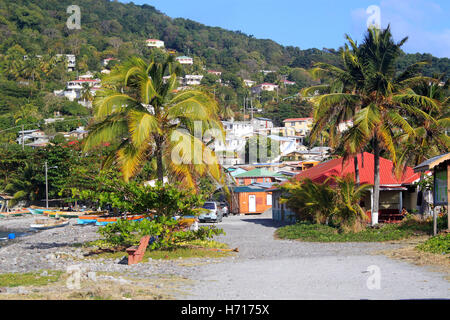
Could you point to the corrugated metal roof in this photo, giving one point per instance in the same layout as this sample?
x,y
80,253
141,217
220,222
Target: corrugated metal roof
x,y
334,167
248,189
432,162
260,172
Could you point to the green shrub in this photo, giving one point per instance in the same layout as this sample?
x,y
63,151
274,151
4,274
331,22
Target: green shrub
x,y
165,233
439,244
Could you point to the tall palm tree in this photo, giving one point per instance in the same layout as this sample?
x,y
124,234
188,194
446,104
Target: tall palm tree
x,y
386,100
370,91
139,112
430,138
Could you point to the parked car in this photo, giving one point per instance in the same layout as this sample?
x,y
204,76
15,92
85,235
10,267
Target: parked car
x,y
214,214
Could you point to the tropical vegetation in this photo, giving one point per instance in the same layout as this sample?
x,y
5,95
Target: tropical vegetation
x,y
378,99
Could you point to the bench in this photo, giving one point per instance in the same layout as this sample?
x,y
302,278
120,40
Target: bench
x,y
136,253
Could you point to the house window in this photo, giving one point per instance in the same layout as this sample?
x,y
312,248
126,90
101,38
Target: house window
x,y
253,180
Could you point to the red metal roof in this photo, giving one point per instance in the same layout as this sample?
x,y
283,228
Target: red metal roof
x,y
334,167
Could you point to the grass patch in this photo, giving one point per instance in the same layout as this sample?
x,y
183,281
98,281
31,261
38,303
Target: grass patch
x,y
321,233
29,279
438,245
192,249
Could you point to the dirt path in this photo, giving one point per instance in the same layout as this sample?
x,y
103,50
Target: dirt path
x,y
266,268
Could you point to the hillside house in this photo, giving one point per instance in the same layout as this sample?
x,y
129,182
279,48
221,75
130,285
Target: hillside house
x,y
264,87
249,83
302,126
192,80
215,72
154,43
185,60
70,61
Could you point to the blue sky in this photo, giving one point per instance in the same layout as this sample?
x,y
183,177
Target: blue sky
x,y
320,23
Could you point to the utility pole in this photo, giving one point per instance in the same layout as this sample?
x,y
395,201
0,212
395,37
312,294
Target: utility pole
x,y
23,147
46,185
244,109
251,106
46,182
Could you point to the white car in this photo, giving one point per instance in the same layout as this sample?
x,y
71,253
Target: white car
x,y
214,214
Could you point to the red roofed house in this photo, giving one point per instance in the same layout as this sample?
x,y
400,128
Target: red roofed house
x,y
215,72
394,193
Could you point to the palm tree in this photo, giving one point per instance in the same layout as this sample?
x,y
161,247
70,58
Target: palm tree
x,y
349,214
86,94
140,113
386,100
430,138
310,201
371,92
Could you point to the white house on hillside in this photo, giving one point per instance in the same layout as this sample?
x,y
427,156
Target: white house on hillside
x,y
192,79
185,60
264,87
71,61
154,43
249,83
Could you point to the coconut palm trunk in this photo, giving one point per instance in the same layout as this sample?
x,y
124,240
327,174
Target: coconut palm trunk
x,y
355,162
159,159
376,181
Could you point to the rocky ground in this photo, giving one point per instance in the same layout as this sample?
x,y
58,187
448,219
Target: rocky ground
x,y
264,268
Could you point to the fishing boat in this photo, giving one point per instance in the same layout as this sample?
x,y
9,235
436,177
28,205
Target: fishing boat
x,y
42,224
63,214
88,219
16,213
38,210
106,221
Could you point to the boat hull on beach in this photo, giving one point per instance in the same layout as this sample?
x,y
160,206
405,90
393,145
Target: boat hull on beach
x,y
106,221
14,213
49,224
37,211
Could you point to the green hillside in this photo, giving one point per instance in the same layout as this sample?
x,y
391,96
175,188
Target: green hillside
x,y
114,29
109,27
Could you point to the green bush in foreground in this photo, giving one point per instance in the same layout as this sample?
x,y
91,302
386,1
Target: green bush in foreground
x,y
439,244
166,233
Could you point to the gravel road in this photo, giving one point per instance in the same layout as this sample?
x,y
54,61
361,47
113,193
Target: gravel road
x,y
266,268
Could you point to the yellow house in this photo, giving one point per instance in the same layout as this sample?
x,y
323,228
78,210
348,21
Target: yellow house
x,y
302,126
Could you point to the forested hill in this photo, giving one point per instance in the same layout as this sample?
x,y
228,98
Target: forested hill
x,y
116,29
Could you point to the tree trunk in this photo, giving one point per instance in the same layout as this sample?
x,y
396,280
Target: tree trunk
x,y
355,162
159,162
376,182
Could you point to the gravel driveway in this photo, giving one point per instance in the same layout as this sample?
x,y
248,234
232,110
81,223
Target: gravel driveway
x,y
266,268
